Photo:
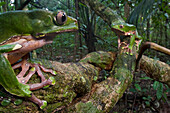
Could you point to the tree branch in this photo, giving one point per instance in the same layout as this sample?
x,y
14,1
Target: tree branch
x,y
77,83
156,69
24,4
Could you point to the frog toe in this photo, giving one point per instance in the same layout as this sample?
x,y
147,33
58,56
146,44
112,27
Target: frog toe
x,y
53,80
48,70
41,103
44,104
43,84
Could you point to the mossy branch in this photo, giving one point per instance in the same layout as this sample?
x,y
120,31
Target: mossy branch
x,y
155,69
77,85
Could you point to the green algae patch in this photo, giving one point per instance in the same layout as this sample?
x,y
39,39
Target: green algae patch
x,y
87,107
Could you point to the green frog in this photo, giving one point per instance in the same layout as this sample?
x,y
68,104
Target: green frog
x,y
125,29
21,32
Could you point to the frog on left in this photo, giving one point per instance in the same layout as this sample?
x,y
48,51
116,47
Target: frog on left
x,y
21,32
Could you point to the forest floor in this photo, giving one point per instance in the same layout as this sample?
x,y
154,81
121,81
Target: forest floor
x,y
143,99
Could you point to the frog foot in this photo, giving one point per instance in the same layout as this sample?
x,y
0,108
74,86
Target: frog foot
x,y
128,49
137,42
42,103
35,67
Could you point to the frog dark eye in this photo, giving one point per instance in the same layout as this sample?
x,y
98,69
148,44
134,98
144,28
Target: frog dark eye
x,y
61,18
121,26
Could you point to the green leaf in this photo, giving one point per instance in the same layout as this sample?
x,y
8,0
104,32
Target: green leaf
x,y
144,90
132,90
144,98
2,94
5,102
2,3
72,45
159,91
148,98
18,101
167,89
166,15
82,4
155,85
85,47
137,86
165,97
147,103
95,78
145,78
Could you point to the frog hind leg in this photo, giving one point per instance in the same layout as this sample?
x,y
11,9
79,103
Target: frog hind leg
x,y
36,67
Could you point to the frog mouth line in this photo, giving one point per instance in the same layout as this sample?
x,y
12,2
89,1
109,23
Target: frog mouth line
x,y
51,36
30,43
63,31
47,37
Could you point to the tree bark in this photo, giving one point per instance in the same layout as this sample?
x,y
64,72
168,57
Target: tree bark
x,y
73,80
156,69
126,9
148,30
23,4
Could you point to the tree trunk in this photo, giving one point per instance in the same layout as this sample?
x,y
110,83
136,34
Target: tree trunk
x,y
127,9
16,4
148,30
166,34
90,39
78,33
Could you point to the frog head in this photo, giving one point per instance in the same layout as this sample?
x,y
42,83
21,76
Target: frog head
x,y
123,28
58,23
33,28
38,23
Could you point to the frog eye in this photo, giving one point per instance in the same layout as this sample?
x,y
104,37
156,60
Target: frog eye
x,y
121,26
61,18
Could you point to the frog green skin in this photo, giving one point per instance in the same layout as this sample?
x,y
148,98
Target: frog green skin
x,y
125,29
35,22
42,25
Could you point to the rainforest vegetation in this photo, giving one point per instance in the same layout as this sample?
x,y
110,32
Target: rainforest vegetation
x,y
93,53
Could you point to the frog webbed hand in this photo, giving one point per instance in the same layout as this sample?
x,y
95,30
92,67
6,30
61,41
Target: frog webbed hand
x,y
35,67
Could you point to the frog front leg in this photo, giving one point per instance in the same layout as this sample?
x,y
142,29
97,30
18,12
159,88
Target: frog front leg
x,y
10,82
28,44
